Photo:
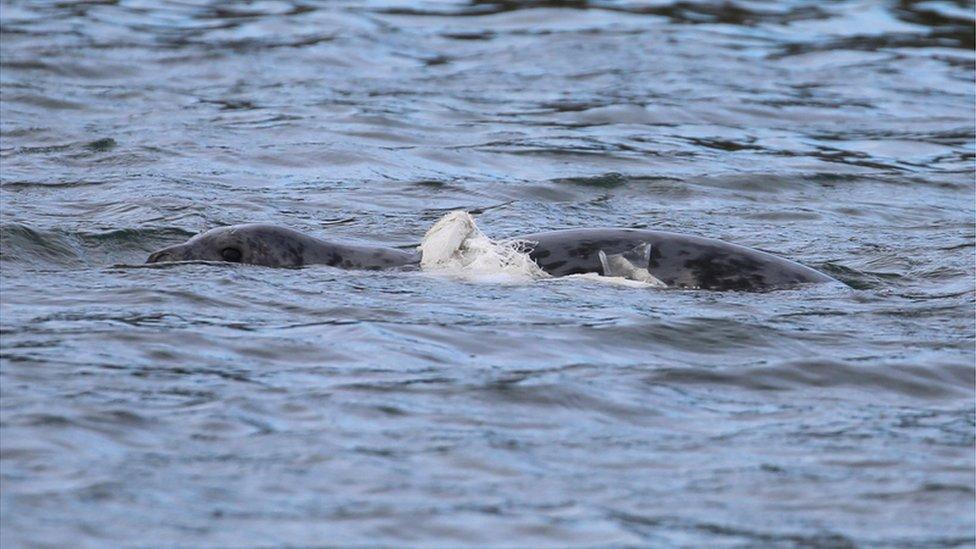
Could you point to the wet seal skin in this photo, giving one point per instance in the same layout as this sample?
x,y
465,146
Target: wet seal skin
x,y
677,261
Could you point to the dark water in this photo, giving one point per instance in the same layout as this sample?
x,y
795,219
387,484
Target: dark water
x,y
242,406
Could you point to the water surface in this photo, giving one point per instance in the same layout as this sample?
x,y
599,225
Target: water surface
x,y
242,406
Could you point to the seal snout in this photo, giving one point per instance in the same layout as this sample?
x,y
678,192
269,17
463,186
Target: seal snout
x,y
161,256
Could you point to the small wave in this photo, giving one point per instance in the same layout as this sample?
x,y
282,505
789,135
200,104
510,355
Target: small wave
x,y
925,382
854,278
22,244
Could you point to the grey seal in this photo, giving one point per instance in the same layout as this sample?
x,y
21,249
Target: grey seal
x,y
676,260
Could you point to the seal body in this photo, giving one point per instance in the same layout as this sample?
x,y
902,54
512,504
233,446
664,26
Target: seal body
x,y
679,261
676,260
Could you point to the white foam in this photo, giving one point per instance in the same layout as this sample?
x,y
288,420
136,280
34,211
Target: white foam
x,y
617,280
455,247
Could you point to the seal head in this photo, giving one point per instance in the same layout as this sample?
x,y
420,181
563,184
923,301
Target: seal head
x,y
254,244
272,246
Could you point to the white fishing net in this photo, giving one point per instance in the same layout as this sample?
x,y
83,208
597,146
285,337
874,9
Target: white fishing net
x,y
455,246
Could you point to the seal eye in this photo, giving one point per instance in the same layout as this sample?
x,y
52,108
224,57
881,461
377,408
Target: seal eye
x,y
231,254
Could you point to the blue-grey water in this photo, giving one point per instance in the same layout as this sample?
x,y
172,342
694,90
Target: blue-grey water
x,y
213,405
